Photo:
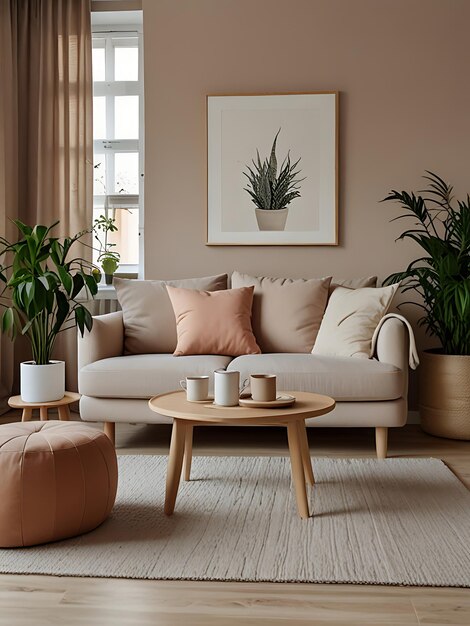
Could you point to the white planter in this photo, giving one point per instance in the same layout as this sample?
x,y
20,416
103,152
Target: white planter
x,y
271,219
42,383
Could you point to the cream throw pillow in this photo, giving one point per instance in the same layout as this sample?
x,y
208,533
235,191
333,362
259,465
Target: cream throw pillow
x,y
217,322
286,312
350,319
149,321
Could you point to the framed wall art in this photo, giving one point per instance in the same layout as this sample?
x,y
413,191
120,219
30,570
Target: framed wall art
x,y
272,169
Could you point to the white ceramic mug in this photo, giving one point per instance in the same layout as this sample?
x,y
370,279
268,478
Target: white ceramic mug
x,y
263,387
196,387
227,389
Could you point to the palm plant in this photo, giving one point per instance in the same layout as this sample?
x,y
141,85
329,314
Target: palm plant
x,y
41,285
268,190
442,276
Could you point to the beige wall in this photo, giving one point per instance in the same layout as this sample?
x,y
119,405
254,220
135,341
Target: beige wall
x,y
402,69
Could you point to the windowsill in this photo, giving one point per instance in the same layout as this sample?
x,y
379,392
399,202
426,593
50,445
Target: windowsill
x,y
106,292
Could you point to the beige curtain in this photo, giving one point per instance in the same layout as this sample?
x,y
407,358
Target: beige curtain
x,y
46,151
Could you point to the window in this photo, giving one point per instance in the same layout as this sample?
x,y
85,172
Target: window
x,y
118,138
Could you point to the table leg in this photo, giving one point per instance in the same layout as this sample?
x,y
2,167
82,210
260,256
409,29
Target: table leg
x,y
109,429
27,414
306,459
64,412
298,475
188,451
175,463
43,413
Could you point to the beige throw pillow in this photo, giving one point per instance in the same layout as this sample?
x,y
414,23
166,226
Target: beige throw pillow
x,y
149,321
217,322
350,319
354,283
286,312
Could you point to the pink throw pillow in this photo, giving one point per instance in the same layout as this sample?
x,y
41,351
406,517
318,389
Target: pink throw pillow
x,y
213,322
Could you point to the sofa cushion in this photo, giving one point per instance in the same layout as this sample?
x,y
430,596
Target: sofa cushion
x,y
344,379
286,312
216,322
143,375
350,319
149,321
353,283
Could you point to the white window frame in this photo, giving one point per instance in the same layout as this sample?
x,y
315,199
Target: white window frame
x,y
102,38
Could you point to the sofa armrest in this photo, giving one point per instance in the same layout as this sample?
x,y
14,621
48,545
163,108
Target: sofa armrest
x,y
392,347
392,344
105,340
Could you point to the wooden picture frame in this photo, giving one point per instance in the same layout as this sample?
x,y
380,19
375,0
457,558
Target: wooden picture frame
x,y
248,202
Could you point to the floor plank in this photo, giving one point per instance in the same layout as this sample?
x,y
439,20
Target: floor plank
x,y
41,600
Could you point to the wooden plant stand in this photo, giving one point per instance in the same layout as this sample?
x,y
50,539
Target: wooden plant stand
x,y
61,405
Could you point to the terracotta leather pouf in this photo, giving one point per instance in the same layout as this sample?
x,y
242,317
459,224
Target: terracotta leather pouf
x,y
57,480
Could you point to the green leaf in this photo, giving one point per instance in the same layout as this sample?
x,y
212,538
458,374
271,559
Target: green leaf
x,y
23,228
78,285
272,169
83,319
91,284
8,320
63,309
65,278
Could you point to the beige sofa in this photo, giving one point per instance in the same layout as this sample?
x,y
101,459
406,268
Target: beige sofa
x,y
368,392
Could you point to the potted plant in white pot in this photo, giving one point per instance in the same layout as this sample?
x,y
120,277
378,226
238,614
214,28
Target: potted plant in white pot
x,y
442,279
271,192
41,283
108,258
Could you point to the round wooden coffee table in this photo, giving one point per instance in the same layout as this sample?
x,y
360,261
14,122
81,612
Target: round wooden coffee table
x,y
186,415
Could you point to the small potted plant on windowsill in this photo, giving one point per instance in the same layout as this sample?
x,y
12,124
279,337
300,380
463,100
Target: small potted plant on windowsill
x,y
41,285
272,193
442,279
108,258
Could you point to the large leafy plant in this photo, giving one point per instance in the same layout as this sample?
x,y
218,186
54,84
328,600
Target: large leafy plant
x,y
442,276
41,283
267,189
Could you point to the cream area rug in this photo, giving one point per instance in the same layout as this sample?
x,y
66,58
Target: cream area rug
x,y
392,522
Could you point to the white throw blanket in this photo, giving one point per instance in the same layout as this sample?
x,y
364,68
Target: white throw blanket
x,y
413,358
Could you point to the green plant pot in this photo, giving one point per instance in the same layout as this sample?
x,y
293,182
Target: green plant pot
x,y
108,278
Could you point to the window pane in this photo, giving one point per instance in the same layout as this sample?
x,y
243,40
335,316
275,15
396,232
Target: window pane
x,y
99,175
126,172
127,236
98,64
126,117
126,63
99,117
97,211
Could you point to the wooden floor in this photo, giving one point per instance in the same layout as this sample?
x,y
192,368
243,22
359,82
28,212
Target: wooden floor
x,y
41,600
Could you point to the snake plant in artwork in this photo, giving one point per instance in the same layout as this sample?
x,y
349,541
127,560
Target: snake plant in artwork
x,y
268,189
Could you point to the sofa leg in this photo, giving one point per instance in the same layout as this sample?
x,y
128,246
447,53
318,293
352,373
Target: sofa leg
x,y
110,431
381,436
